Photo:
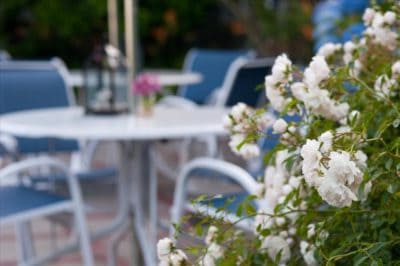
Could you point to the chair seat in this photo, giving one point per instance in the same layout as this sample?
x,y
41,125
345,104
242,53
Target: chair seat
x,y
18,199
92,174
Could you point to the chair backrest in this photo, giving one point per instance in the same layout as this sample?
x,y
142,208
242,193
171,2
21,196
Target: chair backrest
x,y
244,82
213,66
26,85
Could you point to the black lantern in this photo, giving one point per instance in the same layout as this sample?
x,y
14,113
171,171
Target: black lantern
x,y
106,82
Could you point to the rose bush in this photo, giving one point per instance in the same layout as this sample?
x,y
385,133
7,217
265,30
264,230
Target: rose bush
x,y
331,189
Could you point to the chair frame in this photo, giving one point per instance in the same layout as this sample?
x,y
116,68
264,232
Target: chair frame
x,y
74,205
231,171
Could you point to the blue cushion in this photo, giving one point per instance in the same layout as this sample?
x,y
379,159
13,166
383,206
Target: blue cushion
x,y
353,6
212,65
324,28
25,88
246,86
17,199
354,30
92,174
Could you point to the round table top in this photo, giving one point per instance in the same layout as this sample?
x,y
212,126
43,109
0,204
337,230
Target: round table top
x,y
174,77
71,122
164,77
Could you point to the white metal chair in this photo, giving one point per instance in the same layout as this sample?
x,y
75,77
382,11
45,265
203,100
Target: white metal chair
x,y
229,171
19,204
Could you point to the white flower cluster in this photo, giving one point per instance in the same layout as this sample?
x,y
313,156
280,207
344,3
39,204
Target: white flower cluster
x,y
348,57
278,183
380,27
308,91
275,84
315,99
169,255
329,49
241,122
214,250
334,174
286,130
275,245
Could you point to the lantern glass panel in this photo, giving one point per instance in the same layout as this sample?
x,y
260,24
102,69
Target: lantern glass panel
x,y
106,83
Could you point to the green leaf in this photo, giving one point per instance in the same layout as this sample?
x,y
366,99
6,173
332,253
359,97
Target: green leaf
x,y
239,210
250,210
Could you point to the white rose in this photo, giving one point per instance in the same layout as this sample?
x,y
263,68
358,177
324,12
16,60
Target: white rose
x,y
378,21
368,16
214,252
286,189
249,150
310,230
336,194
344,169
279,126
389,17
238,111
326,139
235,141
328,49
178,258
292,230
311,157
320,68
275,245
294,182
281,70
292,129
349,47
361,158
298,90
280,221
396,69
164,248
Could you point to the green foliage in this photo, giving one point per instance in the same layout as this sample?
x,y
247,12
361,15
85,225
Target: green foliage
x,y
364,232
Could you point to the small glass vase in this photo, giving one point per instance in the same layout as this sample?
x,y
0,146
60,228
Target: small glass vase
x,y
146,105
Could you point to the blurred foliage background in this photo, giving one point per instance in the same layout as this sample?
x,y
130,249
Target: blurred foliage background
x,y
166,29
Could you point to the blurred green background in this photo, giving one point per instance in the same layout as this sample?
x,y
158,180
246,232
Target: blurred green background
x,y
166,29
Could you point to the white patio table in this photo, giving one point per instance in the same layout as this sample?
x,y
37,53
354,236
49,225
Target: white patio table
x,y
135,134
165,77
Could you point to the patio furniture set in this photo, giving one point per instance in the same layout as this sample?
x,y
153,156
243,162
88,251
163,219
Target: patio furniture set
x,y
39,118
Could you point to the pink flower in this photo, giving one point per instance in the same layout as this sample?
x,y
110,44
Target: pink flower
x,y
146,84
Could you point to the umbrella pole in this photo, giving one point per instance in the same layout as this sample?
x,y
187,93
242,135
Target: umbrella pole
x,y
130,45
113,22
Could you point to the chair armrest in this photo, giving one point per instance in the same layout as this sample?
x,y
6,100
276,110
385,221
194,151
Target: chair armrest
x,y
16,168
229,170
177,101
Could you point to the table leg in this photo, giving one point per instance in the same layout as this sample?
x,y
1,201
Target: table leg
x,y
141,200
